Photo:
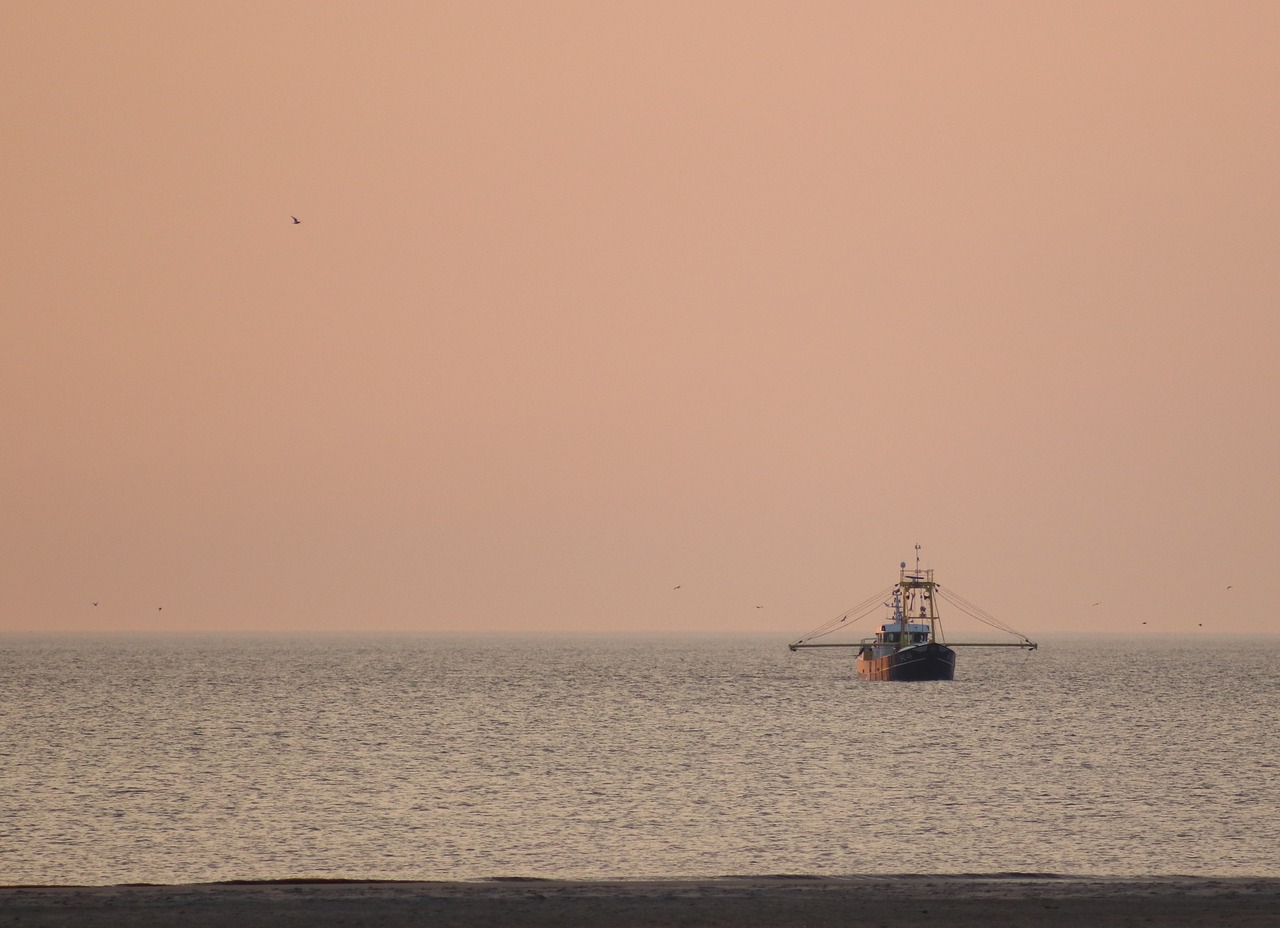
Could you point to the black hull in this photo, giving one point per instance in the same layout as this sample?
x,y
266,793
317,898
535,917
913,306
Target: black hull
x,y
923,662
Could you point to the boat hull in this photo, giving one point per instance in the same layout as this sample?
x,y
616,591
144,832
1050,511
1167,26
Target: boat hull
x,y
931,661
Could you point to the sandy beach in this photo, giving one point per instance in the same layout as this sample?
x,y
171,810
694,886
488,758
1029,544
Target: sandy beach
x,y
889,901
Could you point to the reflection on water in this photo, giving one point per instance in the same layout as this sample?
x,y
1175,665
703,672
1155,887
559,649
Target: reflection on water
x,y
170,761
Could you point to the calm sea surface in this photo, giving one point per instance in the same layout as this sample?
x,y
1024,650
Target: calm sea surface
x,y
143,760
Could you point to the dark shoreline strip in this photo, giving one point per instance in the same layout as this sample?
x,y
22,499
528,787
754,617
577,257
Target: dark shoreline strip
x,y
1012,876
779,901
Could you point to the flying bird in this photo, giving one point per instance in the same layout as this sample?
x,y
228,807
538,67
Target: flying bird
x,y
296,220
1228,588
1098,603
95,604
676,587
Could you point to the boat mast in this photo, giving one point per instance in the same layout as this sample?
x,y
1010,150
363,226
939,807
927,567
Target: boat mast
x,y
929,598
899,609
928,604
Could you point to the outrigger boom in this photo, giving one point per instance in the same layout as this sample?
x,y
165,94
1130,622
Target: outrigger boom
x,y
1029,645
910,645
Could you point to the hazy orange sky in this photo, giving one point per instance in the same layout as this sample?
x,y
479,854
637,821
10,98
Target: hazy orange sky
x,y
590,300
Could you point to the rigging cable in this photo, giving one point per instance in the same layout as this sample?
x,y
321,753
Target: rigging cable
x,y
977,612
859,612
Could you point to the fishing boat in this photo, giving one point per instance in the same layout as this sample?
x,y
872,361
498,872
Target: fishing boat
x,y
910,646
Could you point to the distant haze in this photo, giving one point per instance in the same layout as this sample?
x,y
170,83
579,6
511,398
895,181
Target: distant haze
x,y
589,301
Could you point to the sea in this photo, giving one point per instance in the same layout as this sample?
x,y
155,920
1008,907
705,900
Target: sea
x,y
152,760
